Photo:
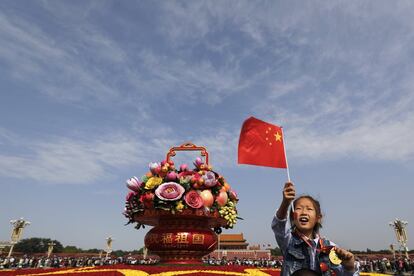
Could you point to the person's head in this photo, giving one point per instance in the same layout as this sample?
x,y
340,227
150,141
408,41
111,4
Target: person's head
x,y
306,217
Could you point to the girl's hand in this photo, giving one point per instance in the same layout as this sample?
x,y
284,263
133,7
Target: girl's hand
x,y
289,192
288,196
348,259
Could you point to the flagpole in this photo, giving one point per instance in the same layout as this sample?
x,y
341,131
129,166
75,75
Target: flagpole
x,y
284,149
287,166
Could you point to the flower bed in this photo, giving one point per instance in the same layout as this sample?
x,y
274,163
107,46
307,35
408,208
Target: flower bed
x,y
156,270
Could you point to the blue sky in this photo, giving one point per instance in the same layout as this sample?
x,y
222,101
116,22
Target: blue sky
x,y
92,91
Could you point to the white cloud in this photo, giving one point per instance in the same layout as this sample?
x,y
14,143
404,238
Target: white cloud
x,y
81,161
6,136
87,65
52,66
194,80
333,86
365,123
222,144
70,161
366,141
185,20
326,81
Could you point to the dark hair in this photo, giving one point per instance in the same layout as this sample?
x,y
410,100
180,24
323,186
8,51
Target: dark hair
x,y
306,272
317,207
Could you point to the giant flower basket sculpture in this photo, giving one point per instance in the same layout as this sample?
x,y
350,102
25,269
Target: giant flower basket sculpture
x,y
183,205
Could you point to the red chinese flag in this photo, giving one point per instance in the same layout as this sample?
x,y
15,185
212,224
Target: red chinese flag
x,y
261,144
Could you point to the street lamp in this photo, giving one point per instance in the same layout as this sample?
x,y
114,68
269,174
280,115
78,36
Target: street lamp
x,y
401,233
108,250
50,246
18,226
392,250
145,252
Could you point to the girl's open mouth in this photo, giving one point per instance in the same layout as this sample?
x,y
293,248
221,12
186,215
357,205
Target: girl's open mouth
x,y
304,219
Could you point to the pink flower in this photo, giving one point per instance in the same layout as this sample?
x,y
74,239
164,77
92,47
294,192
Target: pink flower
x,y
184,167
209,179
134,184
198,162
193,199
170,191
171,176
155,168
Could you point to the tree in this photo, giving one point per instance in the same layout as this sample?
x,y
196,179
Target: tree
x,y
93,250
37,245
71,249
276,251
119,253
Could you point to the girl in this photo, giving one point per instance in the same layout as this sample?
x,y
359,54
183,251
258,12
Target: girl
x,y
299,240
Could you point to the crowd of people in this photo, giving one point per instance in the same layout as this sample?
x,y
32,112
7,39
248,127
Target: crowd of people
x,y
377,265
385,265
68,262
261,262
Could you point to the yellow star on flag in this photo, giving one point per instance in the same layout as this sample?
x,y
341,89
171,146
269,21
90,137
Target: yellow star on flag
x,y
278,137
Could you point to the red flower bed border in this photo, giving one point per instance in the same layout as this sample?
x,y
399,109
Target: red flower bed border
x,y
160,270
155,270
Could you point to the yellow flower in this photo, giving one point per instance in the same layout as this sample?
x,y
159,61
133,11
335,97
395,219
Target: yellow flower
x,y
153,182
179,206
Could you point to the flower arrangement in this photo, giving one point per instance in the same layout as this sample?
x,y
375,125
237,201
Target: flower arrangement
x,y
166,188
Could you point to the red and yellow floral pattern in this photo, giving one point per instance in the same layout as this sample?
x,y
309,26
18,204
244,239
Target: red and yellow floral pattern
x,y
155,271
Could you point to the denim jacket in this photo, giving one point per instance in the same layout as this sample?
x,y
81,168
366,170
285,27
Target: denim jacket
x,y
298,254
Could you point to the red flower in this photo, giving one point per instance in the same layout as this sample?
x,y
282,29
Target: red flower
x,y
130,195
147,199
233,195
193,199
185,173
